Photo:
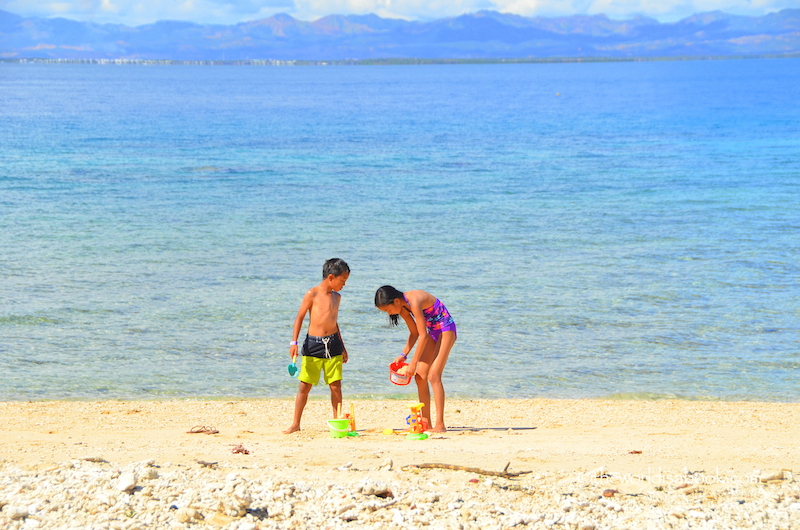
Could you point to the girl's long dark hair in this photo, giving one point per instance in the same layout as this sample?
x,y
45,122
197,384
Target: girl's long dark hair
x,y
385,296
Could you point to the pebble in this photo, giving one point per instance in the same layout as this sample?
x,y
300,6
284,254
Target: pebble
x,y
126,482
185,515
600,472
15,513
766,476
377,488
99,494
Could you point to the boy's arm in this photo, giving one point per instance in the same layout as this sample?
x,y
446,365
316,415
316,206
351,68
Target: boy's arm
x,y
305,307
345,357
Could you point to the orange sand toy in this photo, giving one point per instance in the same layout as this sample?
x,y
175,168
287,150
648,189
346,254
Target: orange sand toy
x,y
352,417
416,423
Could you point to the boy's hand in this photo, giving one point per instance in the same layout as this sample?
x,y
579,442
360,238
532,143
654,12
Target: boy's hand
x,y
293,350
344,356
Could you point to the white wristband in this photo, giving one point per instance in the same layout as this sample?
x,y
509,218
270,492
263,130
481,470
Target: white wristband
x,y
293,343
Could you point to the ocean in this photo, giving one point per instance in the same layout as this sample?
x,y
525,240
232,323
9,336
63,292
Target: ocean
x,y
619,230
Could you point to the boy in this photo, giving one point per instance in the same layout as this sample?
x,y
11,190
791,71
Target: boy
x,y
323,349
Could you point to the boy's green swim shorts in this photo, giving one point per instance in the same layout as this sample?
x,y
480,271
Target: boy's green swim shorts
x,y
312,367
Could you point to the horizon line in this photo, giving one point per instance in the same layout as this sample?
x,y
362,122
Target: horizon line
x,y
390,61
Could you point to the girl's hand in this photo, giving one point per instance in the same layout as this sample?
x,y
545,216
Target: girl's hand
x,y
400,359
412,369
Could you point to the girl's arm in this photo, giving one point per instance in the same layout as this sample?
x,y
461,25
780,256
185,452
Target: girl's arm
x,y
413,334
419,330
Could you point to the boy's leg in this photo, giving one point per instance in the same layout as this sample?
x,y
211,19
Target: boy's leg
x,y
336,396
299,404
333,376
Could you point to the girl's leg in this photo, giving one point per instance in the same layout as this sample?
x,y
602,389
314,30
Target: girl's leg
x,y
424,396
443,347
421,378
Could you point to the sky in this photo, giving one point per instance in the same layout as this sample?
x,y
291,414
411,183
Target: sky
x,y
138,12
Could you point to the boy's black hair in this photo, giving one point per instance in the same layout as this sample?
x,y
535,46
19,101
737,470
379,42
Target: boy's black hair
x,y
334,266
385,296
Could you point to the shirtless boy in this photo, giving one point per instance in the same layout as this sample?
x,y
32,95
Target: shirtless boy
x,y
323,348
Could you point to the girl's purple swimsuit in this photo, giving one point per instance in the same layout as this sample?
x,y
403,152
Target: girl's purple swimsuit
x,y
437,319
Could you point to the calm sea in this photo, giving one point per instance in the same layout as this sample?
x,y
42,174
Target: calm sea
x,y
626,230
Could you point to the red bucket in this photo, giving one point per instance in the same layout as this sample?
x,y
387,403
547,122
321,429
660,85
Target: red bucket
x,y
396,378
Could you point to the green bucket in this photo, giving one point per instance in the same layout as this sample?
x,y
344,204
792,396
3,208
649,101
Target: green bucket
x,y
339,428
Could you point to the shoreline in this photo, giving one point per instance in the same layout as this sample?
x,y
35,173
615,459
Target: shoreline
x,y
674,457
622,397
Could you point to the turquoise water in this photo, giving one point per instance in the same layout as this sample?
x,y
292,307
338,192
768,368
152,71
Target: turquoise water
x,y
616,229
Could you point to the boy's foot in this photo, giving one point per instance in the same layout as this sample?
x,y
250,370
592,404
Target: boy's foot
x,y
293,428
441,428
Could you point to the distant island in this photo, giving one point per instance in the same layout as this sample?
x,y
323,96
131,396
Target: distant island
x,y
484,36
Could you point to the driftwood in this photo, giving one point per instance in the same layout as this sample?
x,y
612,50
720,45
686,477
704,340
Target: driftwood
x,y
504,474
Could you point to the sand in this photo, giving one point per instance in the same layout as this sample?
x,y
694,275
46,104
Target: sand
x,y
633,437
588,465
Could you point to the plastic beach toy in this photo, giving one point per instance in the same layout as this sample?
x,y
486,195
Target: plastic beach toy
x,y
398,378
344,425
417,424
339,428
293,366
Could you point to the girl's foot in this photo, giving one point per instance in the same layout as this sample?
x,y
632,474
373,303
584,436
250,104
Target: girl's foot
x,y
293,428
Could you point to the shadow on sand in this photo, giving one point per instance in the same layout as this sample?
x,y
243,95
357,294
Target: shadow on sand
x,y
476,429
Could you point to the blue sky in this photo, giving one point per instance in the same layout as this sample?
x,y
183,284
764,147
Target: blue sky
x,y
137,12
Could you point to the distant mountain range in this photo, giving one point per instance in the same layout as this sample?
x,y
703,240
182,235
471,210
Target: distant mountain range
x,y
481,35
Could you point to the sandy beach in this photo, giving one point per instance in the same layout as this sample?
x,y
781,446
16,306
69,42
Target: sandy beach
x,y
647,454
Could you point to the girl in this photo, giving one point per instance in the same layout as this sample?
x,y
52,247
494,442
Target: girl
x,y
429,321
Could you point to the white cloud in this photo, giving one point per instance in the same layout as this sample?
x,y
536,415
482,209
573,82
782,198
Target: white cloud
x,y
136,12
408,9
664,10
